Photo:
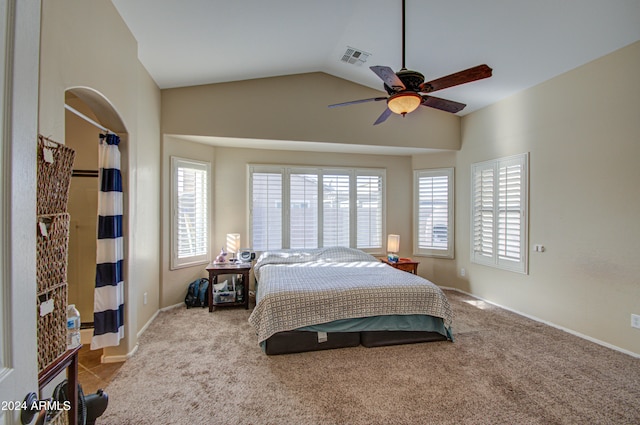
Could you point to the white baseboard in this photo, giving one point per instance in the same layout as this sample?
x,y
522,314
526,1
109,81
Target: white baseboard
x,y
118,358
171,307
553,325
146,325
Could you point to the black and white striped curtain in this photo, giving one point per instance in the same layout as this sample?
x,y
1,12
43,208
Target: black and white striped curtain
x,y
108,316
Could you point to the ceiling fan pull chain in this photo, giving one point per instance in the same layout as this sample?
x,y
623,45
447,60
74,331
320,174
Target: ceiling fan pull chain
x,y
403,36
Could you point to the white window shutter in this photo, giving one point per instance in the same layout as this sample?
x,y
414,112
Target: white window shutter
x,y
266,210
500,213
308,207
433,213
303,210
483,213
369,210
336,202
190,229
512,213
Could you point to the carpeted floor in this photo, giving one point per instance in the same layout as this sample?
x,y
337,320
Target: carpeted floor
x,y
196,367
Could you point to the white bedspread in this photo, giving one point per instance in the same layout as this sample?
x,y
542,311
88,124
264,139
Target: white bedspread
x,y
309,287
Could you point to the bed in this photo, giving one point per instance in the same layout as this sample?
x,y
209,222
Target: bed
x,y
314,299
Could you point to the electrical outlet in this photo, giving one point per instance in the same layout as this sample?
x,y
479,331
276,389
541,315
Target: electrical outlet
x,y
635,321
463,272
144,298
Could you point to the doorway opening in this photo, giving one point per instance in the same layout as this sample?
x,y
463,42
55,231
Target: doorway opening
x,y
88,114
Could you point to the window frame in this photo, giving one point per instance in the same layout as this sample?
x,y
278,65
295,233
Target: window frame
x,y
286,171
447,253
492,257
193,260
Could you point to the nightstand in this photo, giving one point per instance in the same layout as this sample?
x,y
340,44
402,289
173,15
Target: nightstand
x,y
229,268
404,265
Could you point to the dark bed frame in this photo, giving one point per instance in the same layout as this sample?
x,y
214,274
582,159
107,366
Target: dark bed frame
x,y
300,341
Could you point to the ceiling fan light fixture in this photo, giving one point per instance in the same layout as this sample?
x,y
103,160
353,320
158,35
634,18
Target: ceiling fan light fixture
x,y
404,102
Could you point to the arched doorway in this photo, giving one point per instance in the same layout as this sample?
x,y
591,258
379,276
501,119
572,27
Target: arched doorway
x,y
88,114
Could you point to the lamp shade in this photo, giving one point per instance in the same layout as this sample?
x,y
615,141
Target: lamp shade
x,y
404,102
233,242
393,243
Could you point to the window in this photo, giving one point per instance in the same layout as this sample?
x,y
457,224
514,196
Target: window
x,y
500,213
303,210
315,207
336,206
190,212
433,213
369,210
266,220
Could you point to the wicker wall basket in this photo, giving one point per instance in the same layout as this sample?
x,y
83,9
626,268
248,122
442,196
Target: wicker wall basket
x,y
55,163
52,234
52,327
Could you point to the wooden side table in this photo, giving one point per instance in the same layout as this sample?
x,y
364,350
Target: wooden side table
x,y
407,266
229,268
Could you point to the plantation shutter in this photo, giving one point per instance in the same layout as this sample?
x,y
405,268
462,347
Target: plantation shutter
x,y
510,212
191,216
483,212
266,210
335,209
369,210
500,212
434,212
311,207
303,210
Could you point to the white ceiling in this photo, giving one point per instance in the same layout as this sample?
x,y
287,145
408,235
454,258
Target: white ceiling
x,y
192,42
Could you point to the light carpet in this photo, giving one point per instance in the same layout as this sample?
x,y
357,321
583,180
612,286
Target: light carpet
x,y
196,367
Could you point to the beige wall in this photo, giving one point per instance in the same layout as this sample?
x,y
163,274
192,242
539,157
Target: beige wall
x,y
87,45
582,131
146,187
295,108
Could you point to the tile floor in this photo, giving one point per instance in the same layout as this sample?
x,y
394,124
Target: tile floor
x,y
92,374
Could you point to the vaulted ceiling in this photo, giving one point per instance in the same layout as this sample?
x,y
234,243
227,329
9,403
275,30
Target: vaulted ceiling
x,y
193,42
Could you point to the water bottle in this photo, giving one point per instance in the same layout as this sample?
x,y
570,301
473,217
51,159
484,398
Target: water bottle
x,y
73,327
240,291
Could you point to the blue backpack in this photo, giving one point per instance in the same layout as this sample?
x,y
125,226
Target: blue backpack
x,y
198,294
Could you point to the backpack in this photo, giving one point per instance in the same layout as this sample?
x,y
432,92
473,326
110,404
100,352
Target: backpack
x,y
198,294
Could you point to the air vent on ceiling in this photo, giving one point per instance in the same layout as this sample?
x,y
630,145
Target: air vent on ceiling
x,y
355,56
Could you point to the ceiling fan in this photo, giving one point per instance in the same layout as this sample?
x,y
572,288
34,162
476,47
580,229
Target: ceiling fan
x,y
408,90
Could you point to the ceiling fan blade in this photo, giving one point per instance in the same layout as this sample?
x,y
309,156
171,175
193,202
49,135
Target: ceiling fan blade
x,y
468,75
442,104
383,117
354,102
389,77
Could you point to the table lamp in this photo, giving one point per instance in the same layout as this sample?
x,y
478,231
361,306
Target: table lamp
x,y
393,246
